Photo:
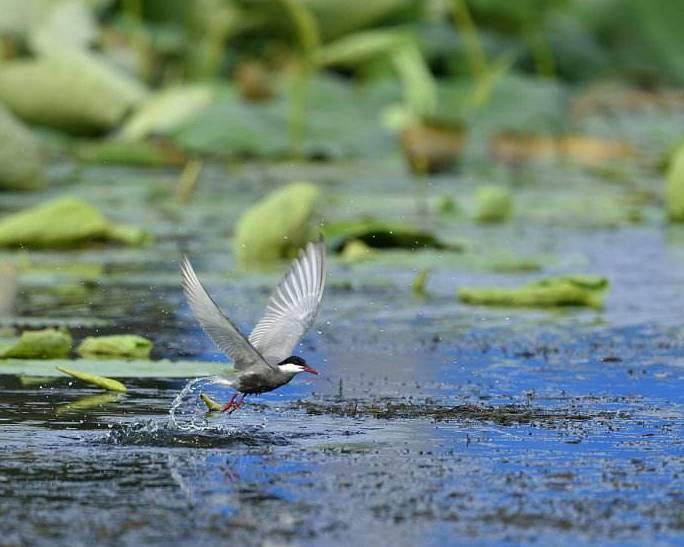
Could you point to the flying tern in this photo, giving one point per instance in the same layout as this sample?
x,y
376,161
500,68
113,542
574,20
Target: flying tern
x,y
264,361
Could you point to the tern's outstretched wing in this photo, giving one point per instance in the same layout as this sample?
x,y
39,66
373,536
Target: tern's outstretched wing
x,y
219,328
293,305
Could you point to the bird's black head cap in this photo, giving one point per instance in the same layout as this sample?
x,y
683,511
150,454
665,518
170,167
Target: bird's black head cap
x,y
294,359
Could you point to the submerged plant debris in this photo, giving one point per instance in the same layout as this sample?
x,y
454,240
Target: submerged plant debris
x,y
501,415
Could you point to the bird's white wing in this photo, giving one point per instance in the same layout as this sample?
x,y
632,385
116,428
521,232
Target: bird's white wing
x,y
293,305
219,328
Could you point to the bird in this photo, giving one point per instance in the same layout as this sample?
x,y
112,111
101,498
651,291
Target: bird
x,y
264,361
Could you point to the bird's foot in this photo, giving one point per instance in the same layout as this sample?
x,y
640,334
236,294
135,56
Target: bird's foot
x,y
237,404
230,404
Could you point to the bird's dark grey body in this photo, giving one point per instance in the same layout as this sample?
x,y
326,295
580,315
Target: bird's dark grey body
x,y
253,382
264,362
256,380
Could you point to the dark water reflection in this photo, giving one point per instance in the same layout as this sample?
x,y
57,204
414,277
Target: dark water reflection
x,y
120,473
432,423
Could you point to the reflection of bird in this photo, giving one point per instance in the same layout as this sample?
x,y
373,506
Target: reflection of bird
x,y
264,361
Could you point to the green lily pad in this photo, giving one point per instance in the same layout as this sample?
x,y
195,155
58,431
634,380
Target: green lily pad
x,y
382,235
494,204
70,90
276,227
419,285
674,189
573,290
64,223
21,160
356,250
127,345
337,123
65,23
39,344
165,111
516,103
116,368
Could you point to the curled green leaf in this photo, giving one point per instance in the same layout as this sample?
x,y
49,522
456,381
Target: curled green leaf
x,y
99,381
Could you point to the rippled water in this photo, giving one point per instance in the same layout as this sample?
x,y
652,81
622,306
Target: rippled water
x,y
432,422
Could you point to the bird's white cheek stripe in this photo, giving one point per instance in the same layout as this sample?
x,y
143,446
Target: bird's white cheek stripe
x,y
289,367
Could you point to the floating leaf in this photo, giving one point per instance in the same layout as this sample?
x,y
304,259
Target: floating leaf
x,y
22,164
446,205
69,90
336,123
356,250
66,24
382,235
39,344
494,204
64,223
116,368
514,103
674,188
125,345
278,226
212,405
99,381
420,283
574,290
165,111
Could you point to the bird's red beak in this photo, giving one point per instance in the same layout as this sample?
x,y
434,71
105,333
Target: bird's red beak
x,y
310,370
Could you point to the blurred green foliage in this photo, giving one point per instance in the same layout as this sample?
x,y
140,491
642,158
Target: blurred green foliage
x,y
316,79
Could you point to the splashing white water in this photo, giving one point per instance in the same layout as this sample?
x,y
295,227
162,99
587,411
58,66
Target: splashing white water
x,y
188,412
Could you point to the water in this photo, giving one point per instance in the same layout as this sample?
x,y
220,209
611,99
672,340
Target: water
x,y
431,423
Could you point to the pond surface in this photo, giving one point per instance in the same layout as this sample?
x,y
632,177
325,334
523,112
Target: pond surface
x,y
432,422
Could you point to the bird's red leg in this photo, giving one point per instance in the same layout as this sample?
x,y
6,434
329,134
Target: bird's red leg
x,y
230,403
237,403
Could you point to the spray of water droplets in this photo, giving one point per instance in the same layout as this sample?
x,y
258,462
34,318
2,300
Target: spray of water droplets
x,y
188,412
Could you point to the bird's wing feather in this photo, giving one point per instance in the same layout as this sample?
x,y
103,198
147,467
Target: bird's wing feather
x,y
293,305
219,328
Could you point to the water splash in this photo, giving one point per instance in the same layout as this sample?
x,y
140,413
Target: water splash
x,y
188,412
165,434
